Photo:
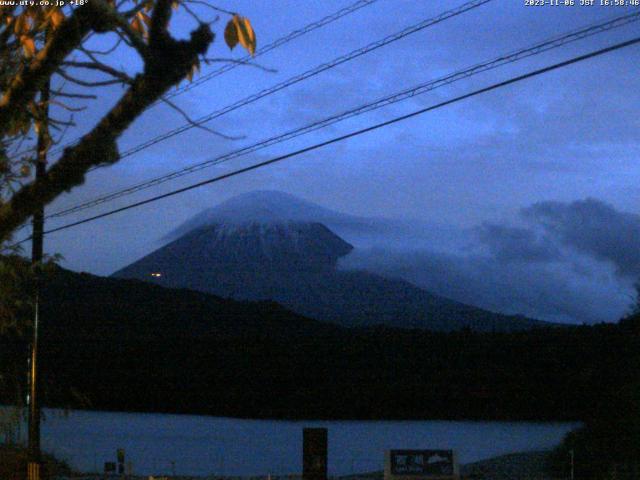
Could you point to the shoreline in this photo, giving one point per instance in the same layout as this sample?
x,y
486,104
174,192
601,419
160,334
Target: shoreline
x,y
293,419
503,467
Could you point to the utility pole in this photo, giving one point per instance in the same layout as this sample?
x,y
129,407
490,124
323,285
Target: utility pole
x,y
33,466
572,463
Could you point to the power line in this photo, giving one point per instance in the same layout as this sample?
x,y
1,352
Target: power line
x,y
354,7
552,43
277,43
308,74
377,126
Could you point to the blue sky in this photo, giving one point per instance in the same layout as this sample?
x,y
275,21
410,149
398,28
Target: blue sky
x,y
563,137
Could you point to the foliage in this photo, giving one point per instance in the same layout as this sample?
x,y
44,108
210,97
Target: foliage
x,y
48,73
48,69
13,464
16,288
17,282
43,45
16,285
11,419
609,442
239,30
608,445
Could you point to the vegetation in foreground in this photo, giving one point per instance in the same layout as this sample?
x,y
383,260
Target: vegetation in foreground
x,y
13,464
608,445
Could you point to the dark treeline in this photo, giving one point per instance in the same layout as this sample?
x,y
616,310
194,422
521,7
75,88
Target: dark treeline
x,y
377,374
125,345
543,375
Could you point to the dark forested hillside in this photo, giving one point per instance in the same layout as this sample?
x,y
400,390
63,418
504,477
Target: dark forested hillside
x,y
295,264
128,345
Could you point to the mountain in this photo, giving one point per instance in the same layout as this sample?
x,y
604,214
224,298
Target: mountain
x,y
271,246
86,306
268,207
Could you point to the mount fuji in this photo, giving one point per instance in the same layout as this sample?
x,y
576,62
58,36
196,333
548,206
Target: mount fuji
x,y
273,207
273,246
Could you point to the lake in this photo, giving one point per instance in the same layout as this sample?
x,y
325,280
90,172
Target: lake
x,y
199,445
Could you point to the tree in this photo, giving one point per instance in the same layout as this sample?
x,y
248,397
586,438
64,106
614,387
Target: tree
x,y
47,62
39,44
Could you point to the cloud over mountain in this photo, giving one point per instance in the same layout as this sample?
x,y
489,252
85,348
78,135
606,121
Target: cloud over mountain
x,y
273,246
570,262
516,244
594,228
561,261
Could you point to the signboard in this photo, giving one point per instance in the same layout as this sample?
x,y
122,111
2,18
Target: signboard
x,y
314,454
421,464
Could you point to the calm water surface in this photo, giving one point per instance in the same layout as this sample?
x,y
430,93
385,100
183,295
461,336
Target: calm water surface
x,y
199,445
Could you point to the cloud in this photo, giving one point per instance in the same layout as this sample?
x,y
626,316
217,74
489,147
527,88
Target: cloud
x,y
571,262
515,244
554,291
594,228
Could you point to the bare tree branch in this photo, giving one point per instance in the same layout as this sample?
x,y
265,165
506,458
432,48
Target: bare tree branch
x,y
104,52
132,38
86,83
192,13
169,63
95,14
196,124
208,5
69,123
102,67
67,107
86,96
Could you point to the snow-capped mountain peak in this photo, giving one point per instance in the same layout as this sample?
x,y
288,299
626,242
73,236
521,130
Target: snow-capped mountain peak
x,y
264,207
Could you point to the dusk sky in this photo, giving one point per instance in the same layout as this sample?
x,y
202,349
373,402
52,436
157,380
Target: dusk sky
x,y
536,185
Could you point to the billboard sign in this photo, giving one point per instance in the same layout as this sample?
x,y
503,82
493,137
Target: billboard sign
x,y
421,464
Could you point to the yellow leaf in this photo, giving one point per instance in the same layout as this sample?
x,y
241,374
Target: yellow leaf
x,y
194,69
175,4
145,18
137,26
19,25
246,35
231,34
33,108
28,45
56,18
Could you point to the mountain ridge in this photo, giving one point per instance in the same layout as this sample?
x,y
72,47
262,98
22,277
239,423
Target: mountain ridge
x,y
267,206
293,262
